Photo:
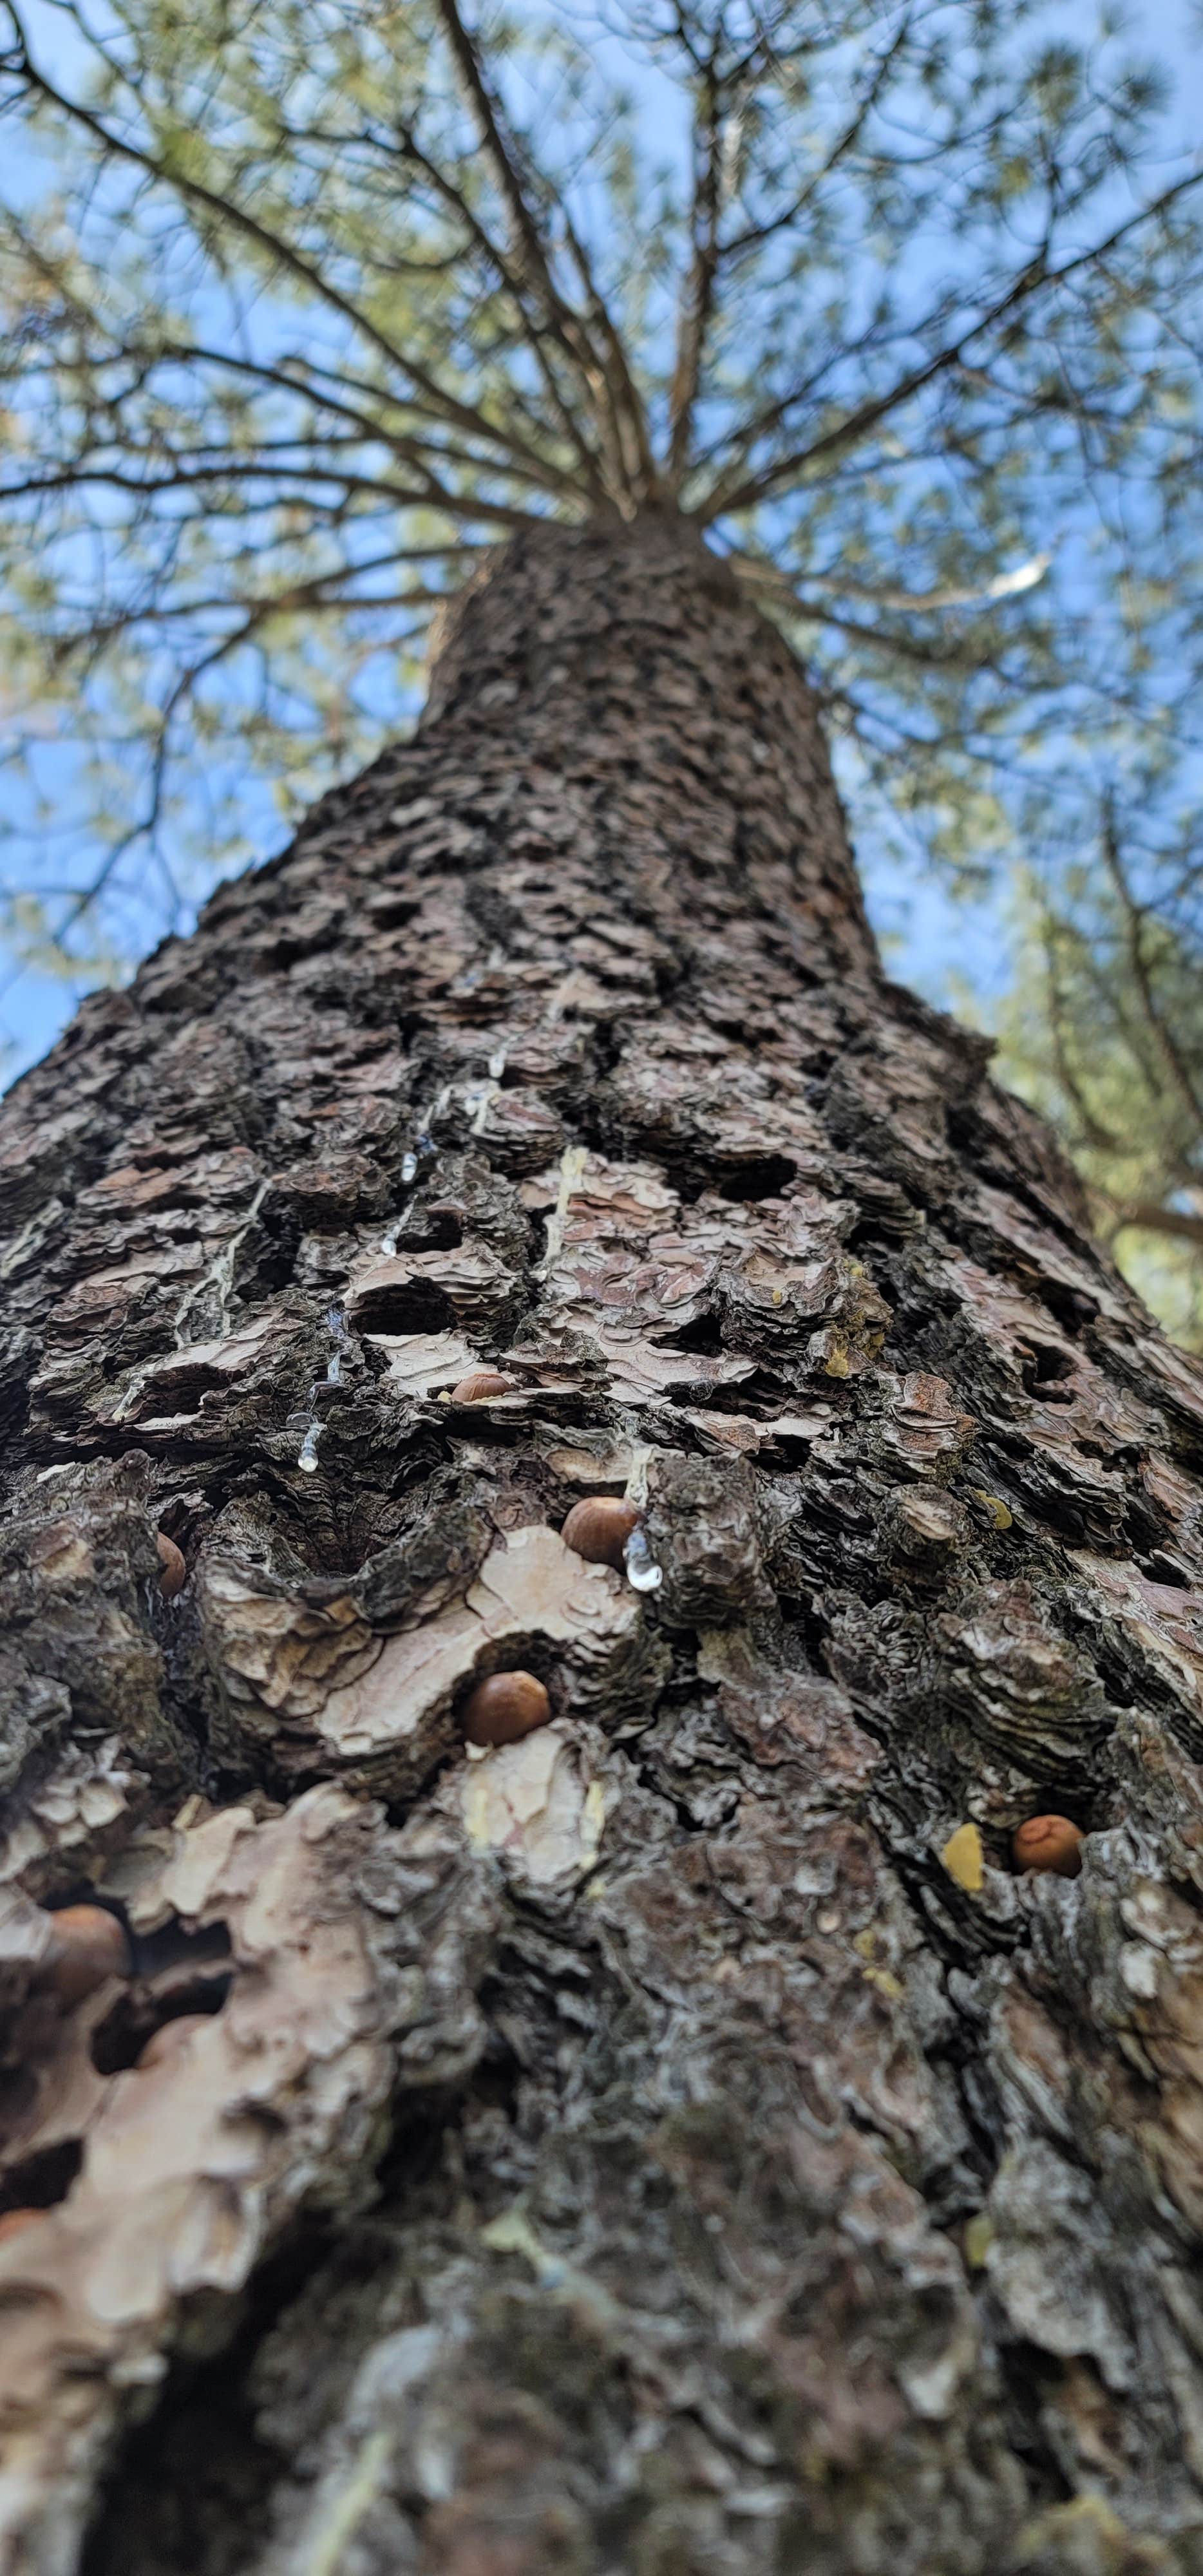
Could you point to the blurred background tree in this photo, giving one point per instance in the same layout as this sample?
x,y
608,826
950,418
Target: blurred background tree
x,y
1103,1028
307,303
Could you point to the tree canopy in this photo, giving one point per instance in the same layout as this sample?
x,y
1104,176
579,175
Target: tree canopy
x,y
309,302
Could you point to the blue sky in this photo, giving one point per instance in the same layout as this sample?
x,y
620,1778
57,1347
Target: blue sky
x,y
933,941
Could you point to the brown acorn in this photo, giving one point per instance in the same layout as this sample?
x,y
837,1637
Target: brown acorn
x,y
15,2221
1048,1842
88,1945
599,1530
479,1385
172,2035
505,1707
174,1574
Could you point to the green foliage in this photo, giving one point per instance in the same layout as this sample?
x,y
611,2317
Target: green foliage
x,y
1104,1030
307,302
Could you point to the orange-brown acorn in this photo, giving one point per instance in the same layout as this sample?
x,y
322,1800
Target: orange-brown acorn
x,y
479,1385
599,1530
1048,1842
505,1707
174,1570
15,2221
88,1945
171,2035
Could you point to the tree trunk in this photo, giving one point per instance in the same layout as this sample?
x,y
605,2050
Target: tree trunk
x,y
679,2142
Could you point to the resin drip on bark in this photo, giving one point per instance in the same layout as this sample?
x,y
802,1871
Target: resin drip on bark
x,y
682,2138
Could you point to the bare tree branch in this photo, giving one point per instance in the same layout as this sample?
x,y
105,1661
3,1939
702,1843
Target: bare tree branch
x,y
625,406
536,334
568,325
1153,1219
696,303
1135,916
725,500
469,507
226,210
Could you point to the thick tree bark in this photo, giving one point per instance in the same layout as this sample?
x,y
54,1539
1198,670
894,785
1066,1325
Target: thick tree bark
x,y
679,2143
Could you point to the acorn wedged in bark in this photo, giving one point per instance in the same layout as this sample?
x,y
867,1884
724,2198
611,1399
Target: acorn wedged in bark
x,y
599,1529
88,1945
479,1385
1048,1843
173,1573
504,1708
15,2221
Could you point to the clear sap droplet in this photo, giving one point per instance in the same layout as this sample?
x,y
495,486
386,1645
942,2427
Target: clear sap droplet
x,y
643,1573
409,1168
334,1369
388,1242
645,1578
307,1461
497,1063
425,1144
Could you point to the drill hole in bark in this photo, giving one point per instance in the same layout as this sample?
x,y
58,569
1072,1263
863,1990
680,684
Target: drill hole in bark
x,y
404,1306
1043,1371
757,1394
1072,1308
766,1177
391,911
176,1390
18,2096
173,1949
190,2488
497,2075
437,1227
277,1261
701,1335
786,1452
1164,1570
123,2034
42,2179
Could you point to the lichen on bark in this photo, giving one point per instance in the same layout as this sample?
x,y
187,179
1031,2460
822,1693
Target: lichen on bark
x,y
635,2148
